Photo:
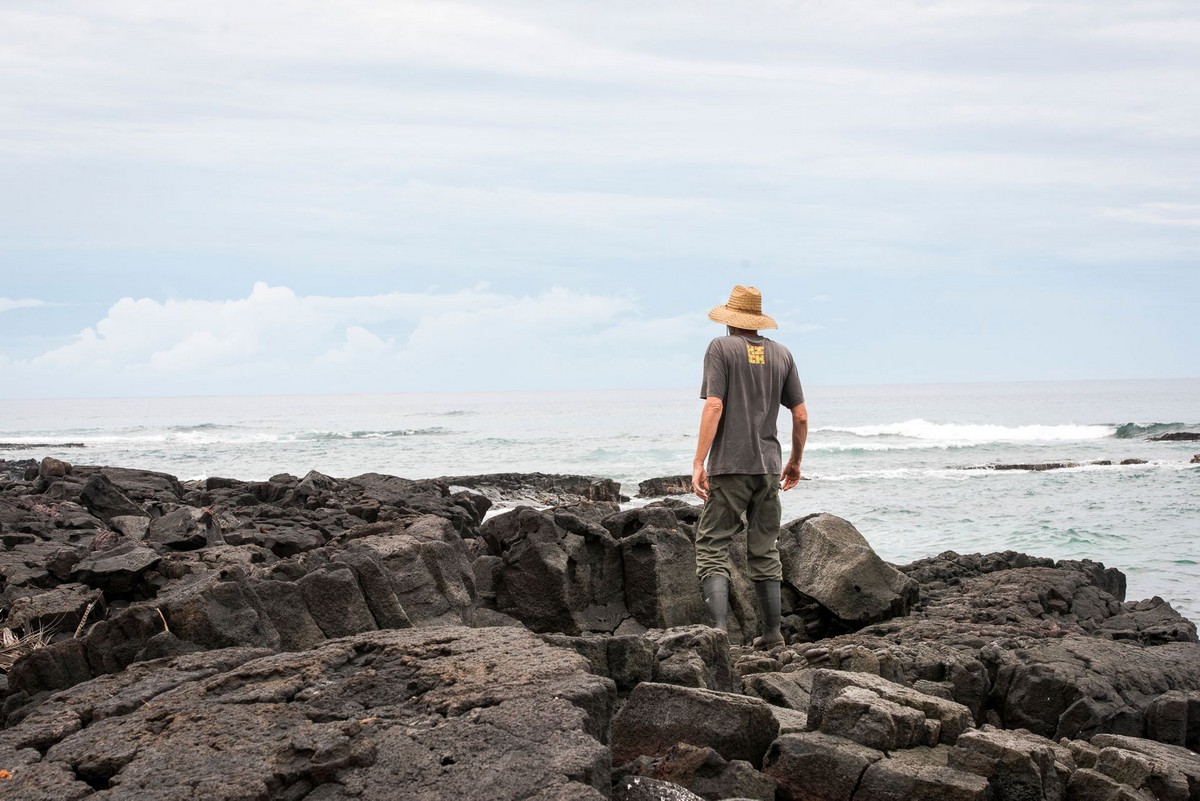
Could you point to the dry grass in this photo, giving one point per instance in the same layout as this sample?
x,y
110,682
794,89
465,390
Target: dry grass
x,y
14,646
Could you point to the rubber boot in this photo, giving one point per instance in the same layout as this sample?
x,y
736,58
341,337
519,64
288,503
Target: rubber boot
x,y
716,597
767,593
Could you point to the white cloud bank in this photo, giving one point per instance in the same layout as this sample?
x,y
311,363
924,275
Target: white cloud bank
x,y
8,304
274,341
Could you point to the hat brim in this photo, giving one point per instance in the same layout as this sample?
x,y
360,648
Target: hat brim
x,y
741,319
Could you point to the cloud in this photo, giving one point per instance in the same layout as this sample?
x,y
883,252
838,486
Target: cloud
x,y
275,341
1185,215
8,304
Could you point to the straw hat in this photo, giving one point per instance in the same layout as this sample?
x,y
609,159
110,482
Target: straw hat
x,y
744,310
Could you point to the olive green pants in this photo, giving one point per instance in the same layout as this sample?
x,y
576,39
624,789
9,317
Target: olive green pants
x,y
730,498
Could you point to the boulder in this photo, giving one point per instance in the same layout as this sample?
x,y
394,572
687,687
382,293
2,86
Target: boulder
x,y
555,579
788,690
430,573
1174,718
693,656
812,765
1163,771
53,468
539,489
418,713
641,788
658,716
920,773
659,560
826,559
103,499
185,529
283,540
1077,687
284,605
861,715
704,772
116,571
58,610
134,527
951,719
215,612
378,588
335,601
665,485
627,660
145,486
1017,764
392,497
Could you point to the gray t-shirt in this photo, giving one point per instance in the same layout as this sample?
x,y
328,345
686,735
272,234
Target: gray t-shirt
x,y
752,377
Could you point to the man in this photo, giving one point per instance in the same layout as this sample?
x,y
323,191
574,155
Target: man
x,y
746,378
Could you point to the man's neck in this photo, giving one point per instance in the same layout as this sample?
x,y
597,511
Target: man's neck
x,y
742,332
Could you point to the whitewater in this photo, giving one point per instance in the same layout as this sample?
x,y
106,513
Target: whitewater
x,y
898,461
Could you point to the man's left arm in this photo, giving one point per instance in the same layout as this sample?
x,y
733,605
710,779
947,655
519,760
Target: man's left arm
x,y
791,471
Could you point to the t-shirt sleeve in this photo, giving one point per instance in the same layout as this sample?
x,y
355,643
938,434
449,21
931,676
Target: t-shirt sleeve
x,y
792,394
716,375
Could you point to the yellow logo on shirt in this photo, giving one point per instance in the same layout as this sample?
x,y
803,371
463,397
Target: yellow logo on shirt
x,y
755,353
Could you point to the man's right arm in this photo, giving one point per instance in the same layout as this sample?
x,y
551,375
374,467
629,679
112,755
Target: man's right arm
x,y
791,471
710,418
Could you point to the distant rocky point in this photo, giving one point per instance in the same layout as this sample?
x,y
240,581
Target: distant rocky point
x,y
1039,466
378,637
1178,436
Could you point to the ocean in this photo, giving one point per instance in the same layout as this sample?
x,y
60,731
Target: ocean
x,y
891,459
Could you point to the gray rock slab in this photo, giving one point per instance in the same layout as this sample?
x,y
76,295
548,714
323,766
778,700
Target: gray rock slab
x,y
828,560
920,773
416,713
115,571
658,716
817,766
952,718
693,656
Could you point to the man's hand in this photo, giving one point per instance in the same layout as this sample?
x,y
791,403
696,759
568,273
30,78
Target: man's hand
x,y
790,476
700,481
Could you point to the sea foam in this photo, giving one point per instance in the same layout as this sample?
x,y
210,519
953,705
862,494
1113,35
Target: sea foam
x,y
976,434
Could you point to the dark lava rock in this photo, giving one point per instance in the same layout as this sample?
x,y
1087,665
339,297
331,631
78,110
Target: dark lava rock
x,y
554,579
53,468
115,571
643,788
105,500
826,559
60,609
665,485
185,529
1178,436
704,772
658,716
539,489
423,714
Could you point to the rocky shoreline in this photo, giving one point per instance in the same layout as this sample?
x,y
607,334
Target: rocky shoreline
x,y
377,637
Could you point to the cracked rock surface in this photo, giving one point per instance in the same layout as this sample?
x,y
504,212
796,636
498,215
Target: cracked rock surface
x,y
414,713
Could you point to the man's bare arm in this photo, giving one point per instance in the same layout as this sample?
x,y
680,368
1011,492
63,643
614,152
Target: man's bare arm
x,y
709,418
791,471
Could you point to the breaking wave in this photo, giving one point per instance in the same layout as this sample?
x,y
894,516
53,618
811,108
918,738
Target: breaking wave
x,y
1137,431
400,432
952,434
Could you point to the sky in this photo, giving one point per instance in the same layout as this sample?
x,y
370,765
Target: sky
x,y
316,197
